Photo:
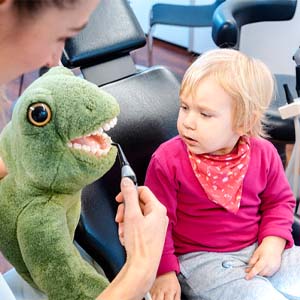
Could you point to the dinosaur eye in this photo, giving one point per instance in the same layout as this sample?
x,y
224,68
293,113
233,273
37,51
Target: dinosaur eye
x,y
39,114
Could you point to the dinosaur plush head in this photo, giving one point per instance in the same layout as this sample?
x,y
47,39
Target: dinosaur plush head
x,y
56,139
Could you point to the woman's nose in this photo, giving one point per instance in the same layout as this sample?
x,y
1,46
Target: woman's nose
x,y
54,59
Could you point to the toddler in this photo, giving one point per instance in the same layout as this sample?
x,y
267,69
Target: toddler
x,y
229,204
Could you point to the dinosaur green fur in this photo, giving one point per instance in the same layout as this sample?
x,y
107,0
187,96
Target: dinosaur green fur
x,y
40,196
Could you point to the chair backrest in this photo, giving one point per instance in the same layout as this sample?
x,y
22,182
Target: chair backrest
x,y
231,15
102,48
149,107
183,15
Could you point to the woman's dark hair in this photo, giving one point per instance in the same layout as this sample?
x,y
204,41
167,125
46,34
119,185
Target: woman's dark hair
x,y
33,6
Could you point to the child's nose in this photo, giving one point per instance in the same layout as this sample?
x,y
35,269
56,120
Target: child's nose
x,y
189,121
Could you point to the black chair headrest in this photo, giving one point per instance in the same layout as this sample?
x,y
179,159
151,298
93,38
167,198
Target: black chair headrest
x,y
231,15
113,31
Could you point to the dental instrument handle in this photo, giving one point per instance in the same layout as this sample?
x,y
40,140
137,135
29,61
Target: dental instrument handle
x,y
126,171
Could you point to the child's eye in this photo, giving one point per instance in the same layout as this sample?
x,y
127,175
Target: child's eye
x,y
184,107
205,115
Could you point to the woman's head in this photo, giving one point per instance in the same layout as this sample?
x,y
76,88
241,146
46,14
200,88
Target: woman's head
x,y
32,7
33,33
247,81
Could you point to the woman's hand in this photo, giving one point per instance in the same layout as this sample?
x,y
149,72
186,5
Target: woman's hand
x,y
3,171
166,287
266,259
143,223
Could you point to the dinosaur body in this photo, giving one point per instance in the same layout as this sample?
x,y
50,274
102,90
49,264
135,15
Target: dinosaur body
x,y
53,147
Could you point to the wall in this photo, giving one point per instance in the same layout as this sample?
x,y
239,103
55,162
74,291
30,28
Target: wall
x,y
273,42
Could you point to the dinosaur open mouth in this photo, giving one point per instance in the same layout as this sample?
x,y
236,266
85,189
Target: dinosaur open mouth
x,y
97,143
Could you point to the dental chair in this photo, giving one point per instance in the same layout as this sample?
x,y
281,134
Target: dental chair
x,y
148,101
228,20
149,105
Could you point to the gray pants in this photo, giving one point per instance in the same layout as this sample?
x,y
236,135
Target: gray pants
x,y
221,276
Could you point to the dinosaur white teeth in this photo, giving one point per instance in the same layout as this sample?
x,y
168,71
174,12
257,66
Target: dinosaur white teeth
x,y
106,136
86,148
82,143
96,132
113,122
76,146
110,124
94,149
106,126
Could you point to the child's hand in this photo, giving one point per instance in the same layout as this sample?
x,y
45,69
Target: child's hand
x,y
266,259
166,287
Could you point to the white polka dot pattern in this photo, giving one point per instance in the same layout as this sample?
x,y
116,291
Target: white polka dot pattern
x,y
221,176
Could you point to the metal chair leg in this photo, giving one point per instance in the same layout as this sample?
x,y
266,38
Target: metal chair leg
x,y
150,46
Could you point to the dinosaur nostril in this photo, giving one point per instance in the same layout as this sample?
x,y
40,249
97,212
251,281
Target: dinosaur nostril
x,y
90,104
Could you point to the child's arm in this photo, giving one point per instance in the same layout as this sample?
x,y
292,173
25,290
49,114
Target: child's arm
x,y
166,286
277,202
161,183
266,259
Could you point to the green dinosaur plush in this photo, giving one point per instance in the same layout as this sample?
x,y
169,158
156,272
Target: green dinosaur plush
x,y
53,147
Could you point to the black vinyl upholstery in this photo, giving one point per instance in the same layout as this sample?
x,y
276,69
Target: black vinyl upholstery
x,y
149,106
107,36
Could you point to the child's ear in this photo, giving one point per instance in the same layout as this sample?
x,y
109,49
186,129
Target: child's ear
x,y
245,129
240,131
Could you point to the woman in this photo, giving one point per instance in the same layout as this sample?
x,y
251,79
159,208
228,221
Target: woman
x,y
32,34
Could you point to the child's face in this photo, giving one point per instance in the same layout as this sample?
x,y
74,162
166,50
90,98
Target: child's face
x,y
205,120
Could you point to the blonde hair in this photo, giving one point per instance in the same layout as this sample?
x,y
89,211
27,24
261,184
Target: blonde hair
x,y
248,81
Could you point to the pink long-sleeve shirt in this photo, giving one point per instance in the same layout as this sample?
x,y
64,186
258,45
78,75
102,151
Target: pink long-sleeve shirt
x,y
198,224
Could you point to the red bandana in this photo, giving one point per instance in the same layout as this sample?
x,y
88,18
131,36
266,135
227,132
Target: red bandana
x,y
221,176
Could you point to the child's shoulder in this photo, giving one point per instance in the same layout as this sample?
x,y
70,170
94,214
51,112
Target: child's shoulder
x,y
260,142
175,142
261,145
173,146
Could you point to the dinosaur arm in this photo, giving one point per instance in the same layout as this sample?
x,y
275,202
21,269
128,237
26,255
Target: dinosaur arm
x,y
50,256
